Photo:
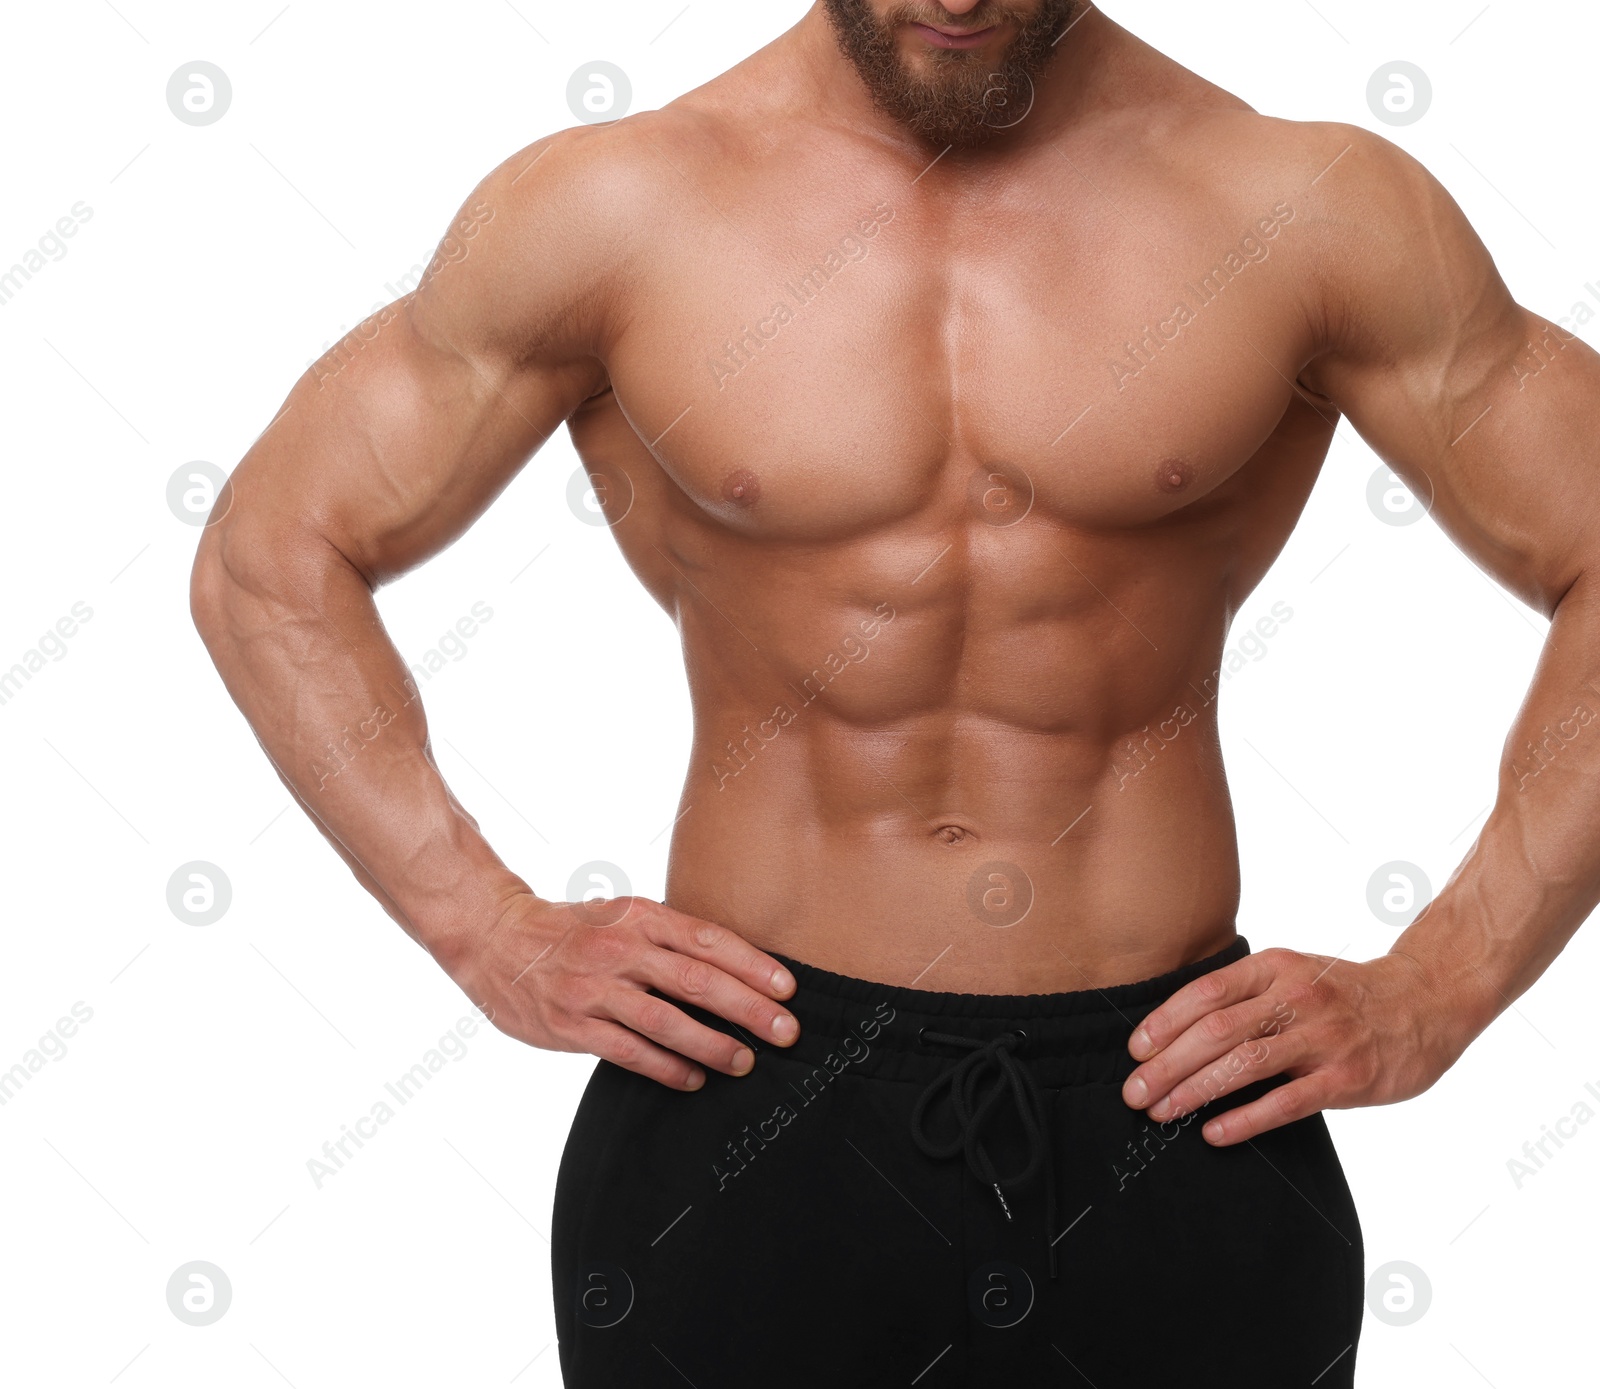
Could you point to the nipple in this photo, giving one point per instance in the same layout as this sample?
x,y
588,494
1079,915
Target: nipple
x,y
1173,475
741,487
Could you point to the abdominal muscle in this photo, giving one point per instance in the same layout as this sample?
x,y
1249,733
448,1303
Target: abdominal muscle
x,y
958,854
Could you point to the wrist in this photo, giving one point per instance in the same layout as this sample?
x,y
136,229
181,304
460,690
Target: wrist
x,y
1455,998
467,937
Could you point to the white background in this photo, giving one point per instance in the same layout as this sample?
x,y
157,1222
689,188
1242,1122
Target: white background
x,y
217,263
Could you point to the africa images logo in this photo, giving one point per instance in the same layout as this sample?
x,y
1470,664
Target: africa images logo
x,y
851,1050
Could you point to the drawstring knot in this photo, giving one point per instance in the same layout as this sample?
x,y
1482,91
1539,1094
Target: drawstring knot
x,y
977,1082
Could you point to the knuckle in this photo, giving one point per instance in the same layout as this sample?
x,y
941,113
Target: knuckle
x,y
652,1015
1227,1070
1343,1077
1255,1051
695,977
757,1013
707,936
1357,1072
1211,986
1216,1027
626,1050
1307,994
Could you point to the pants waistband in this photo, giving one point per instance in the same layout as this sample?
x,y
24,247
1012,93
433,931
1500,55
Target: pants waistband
x,y
862,1028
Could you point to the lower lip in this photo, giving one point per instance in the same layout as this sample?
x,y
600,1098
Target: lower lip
x,y
942,40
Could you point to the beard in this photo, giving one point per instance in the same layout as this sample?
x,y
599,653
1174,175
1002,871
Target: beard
x,y
962,100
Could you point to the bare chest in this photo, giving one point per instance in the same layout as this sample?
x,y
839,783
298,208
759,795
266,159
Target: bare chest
x,y
824,367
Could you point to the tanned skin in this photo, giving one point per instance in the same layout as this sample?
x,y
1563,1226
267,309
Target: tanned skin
x,y
947,459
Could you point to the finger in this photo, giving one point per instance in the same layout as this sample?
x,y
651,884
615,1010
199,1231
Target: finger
x,y
717,945
708,986
1284,1105
1213,1036
1244,1065
1218,989
633,1053
657,1019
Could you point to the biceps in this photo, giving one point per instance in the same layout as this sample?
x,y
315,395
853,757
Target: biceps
x,y
391,445
1535,468
1496,429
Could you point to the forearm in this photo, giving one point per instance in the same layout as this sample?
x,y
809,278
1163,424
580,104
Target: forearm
x,y
1533,875
297,638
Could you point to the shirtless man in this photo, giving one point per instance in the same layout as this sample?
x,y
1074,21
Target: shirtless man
x,y
950,373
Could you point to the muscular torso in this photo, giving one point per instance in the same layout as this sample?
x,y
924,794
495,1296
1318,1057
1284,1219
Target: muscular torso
x,y
953,485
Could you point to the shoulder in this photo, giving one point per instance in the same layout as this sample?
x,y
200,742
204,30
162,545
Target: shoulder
x,y
1346,178
543,252
1214,156
619,176
1327,170
1371,240
1389,259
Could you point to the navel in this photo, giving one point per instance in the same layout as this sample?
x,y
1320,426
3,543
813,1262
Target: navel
x,y
741,487
1173,475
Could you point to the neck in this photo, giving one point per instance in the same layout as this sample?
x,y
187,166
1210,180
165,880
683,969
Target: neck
x,y
1062,91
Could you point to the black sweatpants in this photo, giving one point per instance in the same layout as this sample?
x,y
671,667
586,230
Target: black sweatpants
x,y
882,1204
